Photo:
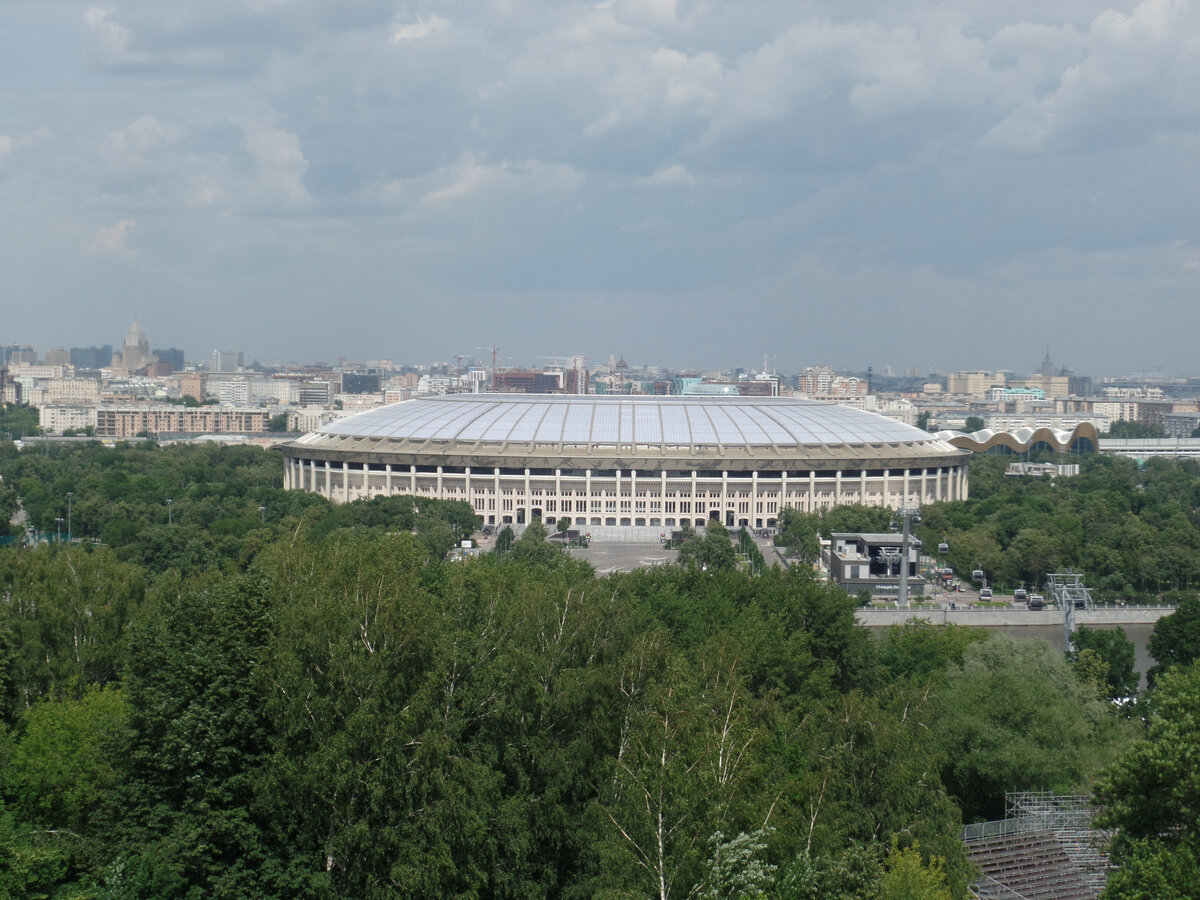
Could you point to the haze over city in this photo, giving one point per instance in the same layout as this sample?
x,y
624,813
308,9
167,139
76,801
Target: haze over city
x,y
684,184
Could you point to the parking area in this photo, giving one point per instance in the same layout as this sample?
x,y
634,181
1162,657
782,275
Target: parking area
x,y
612,556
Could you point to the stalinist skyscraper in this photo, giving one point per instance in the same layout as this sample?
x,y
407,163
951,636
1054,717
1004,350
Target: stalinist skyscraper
x,y
136,352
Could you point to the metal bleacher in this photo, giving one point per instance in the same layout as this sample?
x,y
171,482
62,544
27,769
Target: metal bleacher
x,y
1044,849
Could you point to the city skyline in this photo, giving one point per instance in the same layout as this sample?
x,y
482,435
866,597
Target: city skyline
x,y
678,183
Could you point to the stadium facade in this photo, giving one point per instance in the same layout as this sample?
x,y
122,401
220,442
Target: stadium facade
x,y
628,461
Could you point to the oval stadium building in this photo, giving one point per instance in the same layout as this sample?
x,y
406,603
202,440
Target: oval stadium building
x,y
628,461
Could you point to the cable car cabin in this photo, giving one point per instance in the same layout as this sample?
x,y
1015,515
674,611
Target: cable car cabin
x,y
985,593
943,548
977,575
1020,595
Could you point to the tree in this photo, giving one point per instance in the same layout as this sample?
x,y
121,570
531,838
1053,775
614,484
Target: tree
x,y
798,534
198,742
65,758
1116,651
923,419
1152,797
972,424
713,553
504,541
277,422
1175,640
1123,429
1014,717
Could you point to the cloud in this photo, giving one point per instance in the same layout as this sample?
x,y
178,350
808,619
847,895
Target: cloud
x,y
420,29
111,239
1138,75
671,174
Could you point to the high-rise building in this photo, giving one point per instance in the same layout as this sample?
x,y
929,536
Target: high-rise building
x,y
172,356
92,357
136,352
227,361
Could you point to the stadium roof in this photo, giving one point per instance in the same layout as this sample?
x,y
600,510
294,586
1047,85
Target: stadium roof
x,y
594,422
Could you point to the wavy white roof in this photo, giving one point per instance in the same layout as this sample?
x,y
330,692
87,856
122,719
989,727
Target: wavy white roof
x,y
627,422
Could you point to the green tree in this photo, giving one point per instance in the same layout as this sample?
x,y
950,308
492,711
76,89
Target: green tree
x,y
1151,795
277,422
798,534
713,553
1175,640
504,541
1116,651
972,424
198,741
65,757
909,877
1014,717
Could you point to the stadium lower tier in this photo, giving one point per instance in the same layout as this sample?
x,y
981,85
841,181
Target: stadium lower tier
x,y
633,498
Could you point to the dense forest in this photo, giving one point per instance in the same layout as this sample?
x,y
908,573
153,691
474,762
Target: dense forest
x,y
254,693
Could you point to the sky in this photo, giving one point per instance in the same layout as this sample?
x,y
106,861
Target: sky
x,y
685,184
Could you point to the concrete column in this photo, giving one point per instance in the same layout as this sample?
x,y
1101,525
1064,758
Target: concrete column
x,y
345,482
862,486
328,478
812,490
904,502
924,490
754,500
439,483
837,488
887,491
412,481
387,479
783,490
725,496
693,503
467,487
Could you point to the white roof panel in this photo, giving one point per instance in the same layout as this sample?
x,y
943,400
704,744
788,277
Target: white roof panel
x,y
642,421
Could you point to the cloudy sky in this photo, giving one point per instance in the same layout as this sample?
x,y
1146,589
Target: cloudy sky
x,y
687,183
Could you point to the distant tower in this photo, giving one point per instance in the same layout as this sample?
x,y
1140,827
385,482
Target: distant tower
x,y
1047,365
136,352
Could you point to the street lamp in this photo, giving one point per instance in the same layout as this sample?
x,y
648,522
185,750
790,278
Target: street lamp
x,y
58,520
262,511
169,502
70,494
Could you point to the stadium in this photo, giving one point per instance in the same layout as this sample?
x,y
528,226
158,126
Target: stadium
x,y
627,462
